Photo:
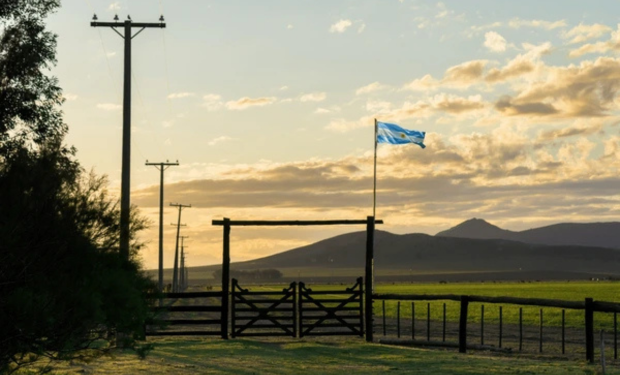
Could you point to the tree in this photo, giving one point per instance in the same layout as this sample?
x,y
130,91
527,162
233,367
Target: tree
x,y
63,284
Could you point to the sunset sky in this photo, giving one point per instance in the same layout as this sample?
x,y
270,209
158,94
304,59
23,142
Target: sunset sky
x,y
269,108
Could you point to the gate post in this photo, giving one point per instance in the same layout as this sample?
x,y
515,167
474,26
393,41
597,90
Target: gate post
x,y
370,239
589,315
463,325
225,278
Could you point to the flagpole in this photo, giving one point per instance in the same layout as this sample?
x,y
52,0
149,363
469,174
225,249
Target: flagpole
x,y
374,188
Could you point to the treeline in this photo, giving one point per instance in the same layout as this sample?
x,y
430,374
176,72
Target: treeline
x,y
251,275
65,290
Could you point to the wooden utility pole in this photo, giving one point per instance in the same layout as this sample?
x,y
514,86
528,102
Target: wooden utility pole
x,y
126,164
175,272
161,167
181,282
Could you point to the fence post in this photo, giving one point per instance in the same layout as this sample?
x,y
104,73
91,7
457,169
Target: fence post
x,y
443,334
383,316
589,316
233,323
500,326
520,328
463,325
398,320
481,324
428,321
361,284
225,278
412,320
370,240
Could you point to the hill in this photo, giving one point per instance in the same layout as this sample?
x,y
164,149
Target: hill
x,y
576,234
423,254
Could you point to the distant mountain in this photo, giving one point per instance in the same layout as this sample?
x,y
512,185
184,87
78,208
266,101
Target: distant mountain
x,y
576,234
424,253
479,229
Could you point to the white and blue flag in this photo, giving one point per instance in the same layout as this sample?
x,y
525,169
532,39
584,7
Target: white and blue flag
x,y
394,134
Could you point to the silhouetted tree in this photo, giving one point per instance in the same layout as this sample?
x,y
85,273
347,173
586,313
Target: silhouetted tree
x,y
63,284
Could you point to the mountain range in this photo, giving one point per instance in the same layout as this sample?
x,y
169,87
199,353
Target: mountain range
x,y
577,234
473,247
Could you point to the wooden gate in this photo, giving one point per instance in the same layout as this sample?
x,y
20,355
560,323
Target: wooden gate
x,y
263,313
191,314
331,313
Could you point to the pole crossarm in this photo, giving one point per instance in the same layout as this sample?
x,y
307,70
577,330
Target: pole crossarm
x,y
290,222
162,165
160,25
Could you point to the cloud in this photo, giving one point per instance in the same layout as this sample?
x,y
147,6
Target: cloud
x,y
361,28
494,42
427,82
340,26
520,65
377,106
460,76
582,33
505,176
289,26
585,90
70,97
110,54
457,105
509,106
313,97
115,6
283,88
375,86
246,102
212,102
517,23
109,106
583,129
466,73
180,95
322,111
613,44
217,140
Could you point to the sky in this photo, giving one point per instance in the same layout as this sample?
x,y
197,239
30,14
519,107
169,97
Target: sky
x,y
269,108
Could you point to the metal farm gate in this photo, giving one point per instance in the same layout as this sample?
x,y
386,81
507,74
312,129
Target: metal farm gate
x,y
263,313
320,314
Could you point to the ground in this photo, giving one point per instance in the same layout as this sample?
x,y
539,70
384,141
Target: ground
x,y
316,356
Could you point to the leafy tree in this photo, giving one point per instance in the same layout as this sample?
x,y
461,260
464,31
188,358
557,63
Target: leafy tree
x,y
63,285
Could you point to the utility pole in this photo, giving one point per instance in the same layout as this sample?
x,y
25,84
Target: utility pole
x,y
161,167
126,165
175,273
182,270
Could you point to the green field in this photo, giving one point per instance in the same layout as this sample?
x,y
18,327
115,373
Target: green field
x,y
316,356
569,291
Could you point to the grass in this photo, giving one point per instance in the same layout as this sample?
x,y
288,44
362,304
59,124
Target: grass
x,y
570,291
316,356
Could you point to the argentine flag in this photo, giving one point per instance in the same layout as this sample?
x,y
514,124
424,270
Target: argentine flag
x,y
394,134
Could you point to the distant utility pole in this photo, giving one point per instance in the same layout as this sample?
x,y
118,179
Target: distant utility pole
x,y
161,167
175,273
126,166
182,270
